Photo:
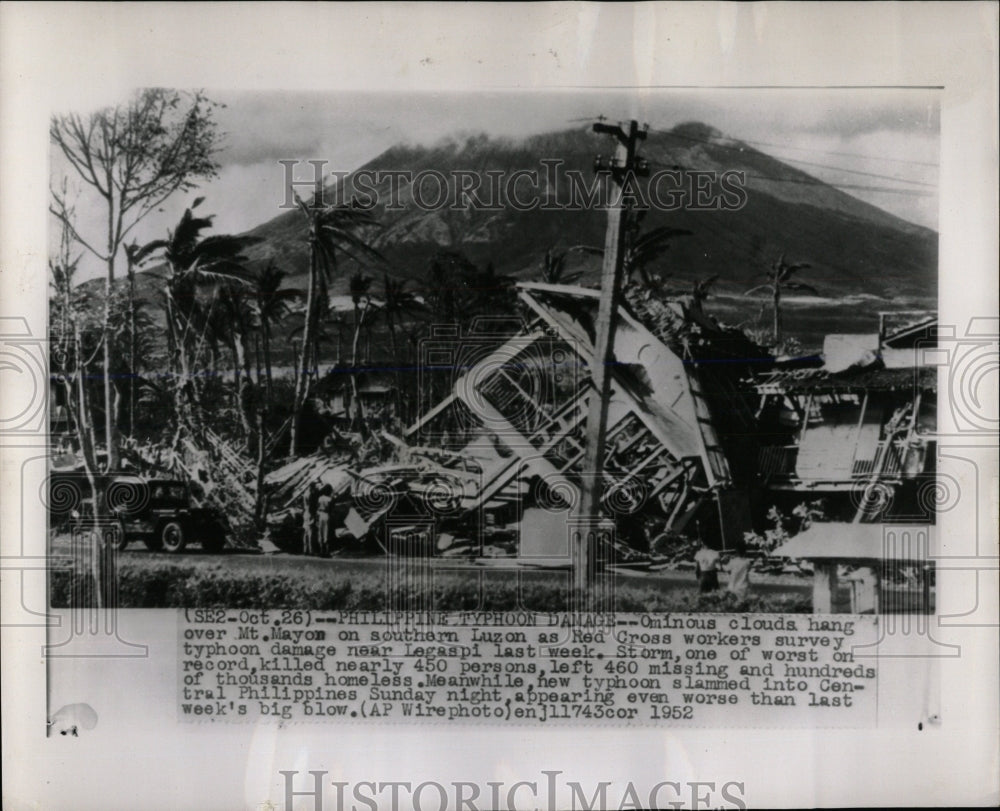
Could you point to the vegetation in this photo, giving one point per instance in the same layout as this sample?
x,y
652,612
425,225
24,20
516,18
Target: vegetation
x,y
779,280
204,323
332,230
134,156
166,583
784,526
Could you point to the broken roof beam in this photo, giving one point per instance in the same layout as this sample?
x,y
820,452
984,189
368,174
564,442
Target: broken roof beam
x,y
430,415
675,412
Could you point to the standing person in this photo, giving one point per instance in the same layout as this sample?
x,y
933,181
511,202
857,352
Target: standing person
x,y
323,508
739,576
706,561
309,528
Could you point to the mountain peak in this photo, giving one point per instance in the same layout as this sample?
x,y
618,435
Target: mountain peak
x,y
697,131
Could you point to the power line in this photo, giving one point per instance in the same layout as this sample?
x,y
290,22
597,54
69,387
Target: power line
x,y
812,182
672,134
859,172
842,154
884,189
794,160
852,187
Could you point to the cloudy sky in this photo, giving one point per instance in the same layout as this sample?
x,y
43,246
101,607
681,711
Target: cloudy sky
x,y
884,141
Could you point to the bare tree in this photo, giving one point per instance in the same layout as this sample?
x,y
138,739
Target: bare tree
x,y
134,155
69,366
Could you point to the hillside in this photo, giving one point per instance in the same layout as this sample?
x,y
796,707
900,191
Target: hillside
x,y
863,259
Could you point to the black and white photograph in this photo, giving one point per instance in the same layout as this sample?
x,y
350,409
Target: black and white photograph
x,y
479,325
498,406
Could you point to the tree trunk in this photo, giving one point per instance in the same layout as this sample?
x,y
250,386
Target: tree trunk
x,y
260,501
246,401
260,504
359,321
396,364
131,350
110,429
777,316
85,437
301,381
239,367
266,339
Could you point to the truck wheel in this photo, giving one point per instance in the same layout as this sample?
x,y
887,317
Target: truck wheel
x,y
213,543
121,539
172,537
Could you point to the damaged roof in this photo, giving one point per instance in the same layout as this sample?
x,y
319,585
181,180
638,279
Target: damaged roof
x,y
869,378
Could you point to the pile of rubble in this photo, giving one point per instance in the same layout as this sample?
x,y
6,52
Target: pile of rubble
x,y
494,469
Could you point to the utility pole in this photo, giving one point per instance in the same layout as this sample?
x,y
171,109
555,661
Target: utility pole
x,y
623,170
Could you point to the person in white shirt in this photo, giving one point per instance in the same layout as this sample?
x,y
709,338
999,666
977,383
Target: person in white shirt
x,y
706,563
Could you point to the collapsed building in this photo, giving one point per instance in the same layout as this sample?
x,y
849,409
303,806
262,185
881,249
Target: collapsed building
x,y
705,432
665,464
495,467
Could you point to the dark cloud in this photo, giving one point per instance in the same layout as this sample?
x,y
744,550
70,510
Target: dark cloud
x,y
920,113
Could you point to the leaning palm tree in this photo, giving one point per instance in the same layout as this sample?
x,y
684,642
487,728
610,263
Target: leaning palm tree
x,y
332,230
779,277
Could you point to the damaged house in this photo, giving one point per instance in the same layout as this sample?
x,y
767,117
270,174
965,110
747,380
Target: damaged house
x,y
705,433
518,416
859,422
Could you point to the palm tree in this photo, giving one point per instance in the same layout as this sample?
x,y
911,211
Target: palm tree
x,y
192,262
701,290
779,277
446,277
135,257
642,249
554,264
273,304
332,229
237,316
360,285
492,292
399,303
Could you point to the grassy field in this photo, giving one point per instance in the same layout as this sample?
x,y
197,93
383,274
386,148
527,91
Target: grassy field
x,y
147,580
